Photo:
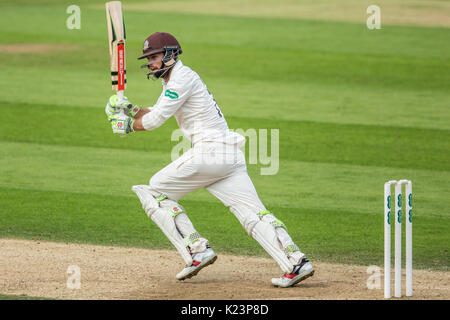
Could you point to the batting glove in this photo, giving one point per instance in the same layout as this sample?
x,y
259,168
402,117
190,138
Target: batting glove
x,y
121,124
115,104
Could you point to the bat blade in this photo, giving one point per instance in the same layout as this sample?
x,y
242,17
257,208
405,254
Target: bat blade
x,y
116,36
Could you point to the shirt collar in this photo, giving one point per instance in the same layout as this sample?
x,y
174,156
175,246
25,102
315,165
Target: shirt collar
x,y
175,68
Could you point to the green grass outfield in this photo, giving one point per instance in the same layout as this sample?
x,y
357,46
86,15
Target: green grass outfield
x,y
21,297
354,108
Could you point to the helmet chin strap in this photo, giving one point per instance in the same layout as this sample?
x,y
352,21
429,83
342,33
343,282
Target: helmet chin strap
x,y
165,68
162,71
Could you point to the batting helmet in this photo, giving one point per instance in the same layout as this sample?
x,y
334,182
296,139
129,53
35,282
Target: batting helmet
x,y
161,42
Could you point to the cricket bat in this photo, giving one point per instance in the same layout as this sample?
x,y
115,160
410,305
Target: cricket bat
x,y
116,36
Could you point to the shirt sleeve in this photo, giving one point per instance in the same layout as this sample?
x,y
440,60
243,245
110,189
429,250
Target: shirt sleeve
x,y
172,98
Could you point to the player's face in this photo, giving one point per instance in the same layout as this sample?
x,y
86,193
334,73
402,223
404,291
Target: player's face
x,y
155,61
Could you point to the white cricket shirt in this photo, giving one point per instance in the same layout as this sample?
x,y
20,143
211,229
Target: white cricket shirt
x,y
186,97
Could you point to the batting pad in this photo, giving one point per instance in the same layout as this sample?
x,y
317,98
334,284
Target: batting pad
x,y
267,237
163,218
149,203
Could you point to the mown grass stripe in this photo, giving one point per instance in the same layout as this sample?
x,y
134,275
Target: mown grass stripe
x,y
196,28
303,141
297,184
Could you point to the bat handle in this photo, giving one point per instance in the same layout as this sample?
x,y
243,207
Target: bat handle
x,y
121,95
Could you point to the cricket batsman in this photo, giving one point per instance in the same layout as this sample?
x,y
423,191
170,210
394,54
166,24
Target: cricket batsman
x,y
214,162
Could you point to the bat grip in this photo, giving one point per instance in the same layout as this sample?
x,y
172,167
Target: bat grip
x,y
121,95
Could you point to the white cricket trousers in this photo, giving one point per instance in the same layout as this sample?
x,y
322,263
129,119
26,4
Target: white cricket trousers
x,y
221,169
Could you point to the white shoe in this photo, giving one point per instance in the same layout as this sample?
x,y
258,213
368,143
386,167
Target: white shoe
x,y
301,272
199,261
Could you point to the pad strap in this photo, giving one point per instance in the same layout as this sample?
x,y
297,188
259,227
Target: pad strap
x,y
274,221
290,249
161,197
190,239
176,210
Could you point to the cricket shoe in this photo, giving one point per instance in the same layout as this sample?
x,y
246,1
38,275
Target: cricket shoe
x,y
199,261
301,272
